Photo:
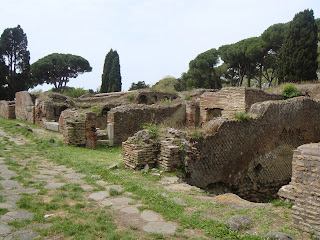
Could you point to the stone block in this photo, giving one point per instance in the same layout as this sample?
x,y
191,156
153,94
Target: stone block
x,y
53,126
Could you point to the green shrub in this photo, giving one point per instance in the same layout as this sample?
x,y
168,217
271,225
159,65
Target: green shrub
x,y
130,97
242,116
188,97
290,91
153,129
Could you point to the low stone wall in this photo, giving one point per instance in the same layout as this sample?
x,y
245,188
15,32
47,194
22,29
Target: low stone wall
x,y
25,106
128,120
254,158
306,188
7,109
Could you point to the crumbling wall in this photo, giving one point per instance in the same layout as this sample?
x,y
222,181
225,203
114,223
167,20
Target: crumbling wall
x,y
167,149
128,120
253,158
192,114
152,97
306,186
49,106
78,129
228,101
7,109
24,106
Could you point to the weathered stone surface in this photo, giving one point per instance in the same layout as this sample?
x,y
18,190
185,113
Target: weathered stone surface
x,y
54,185
239,222
118,188
97,196
102,183
179,201
17,215
13,198
160,227
53,126
5,229
130,210
74,175
9,184
121,200
149,216
8,205
106,203
278,235
22,235
49,172
87,187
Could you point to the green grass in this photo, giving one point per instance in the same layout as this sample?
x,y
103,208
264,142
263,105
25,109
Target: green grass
x,y
76,218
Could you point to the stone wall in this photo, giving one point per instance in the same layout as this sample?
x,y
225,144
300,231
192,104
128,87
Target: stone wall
x,y
25,106
128,120
306,188
152,97
49,106
253,158
228,101
192,114
7,109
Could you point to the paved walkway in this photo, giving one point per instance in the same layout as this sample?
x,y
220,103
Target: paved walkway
x,y
56,176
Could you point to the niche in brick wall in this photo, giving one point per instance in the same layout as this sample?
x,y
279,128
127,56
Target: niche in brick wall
x,y
212,113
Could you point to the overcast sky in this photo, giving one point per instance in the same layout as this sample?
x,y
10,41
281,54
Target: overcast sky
x,y
154,38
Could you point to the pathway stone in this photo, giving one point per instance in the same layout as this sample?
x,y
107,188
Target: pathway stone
x,y
13,198
54,185
118,188
48,172
17,215
74,175
10,184
97,196
149,216
22,235
8,205
87,187
106,203
121,201
102,183
5,229
130,210
160,227
46,177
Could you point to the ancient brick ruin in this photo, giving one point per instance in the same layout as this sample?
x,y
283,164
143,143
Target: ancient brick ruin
x,y
306,188
7,109
228,101
252,158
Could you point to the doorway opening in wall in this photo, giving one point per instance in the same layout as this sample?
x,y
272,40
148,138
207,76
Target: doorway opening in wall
x,y
212,113
102,118
57,111
143,99
153,99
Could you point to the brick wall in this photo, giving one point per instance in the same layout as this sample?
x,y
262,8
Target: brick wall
x,y
192,114
128,120
253,158
226,102
7,109
79,129
24,107
306,188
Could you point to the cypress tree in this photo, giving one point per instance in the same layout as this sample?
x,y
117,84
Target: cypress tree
x,y
108,62
298,54
115,76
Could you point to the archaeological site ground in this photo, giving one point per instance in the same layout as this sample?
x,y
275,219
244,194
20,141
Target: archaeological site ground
x,y
235,163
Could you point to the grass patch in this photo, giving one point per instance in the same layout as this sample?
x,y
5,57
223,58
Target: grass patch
x,y
241,116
